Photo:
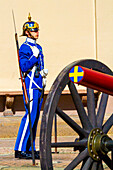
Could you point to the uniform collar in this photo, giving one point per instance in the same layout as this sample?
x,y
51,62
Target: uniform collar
x,y
30,40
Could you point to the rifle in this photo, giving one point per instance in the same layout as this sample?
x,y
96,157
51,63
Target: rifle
x,y
25,92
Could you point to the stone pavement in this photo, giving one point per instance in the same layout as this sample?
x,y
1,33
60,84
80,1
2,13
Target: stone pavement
x,y
8,132
7,160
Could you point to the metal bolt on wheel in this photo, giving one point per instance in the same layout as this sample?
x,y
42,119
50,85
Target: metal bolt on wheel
x,y
93,139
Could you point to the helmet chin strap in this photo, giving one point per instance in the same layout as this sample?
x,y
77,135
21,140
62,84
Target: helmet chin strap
x,y
31,36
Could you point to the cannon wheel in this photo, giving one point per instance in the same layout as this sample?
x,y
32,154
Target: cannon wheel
x,y
92,122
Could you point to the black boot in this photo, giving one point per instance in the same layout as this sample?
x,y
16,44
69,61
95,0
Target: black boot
x,y
23,155
37,154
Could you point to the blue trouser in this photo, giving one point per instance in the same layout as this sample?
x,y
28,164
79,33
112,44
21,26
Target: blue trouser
x,y
23,138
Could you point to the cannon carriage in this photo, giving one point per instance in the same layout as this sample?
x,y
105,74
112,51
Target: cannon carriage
x,y
93,142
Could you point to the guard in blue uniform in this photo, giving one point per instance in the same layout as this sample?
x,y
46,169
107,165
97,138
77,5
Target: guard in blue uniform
x,y
32,65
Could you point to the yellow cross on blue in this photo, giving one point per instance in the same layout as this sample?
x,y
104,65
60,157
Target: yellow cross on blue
x,y
76,74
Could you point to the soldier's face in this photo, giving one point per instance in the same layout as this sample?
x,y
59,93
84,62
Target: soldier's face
x,y
33,34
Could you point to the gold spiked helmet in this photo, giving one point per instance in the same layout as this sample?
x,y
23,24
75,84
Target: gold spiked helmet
x,y
30,26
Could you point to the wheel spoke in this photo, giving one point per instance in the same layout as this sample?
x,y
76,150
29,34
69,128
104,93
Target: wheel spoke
x,y
108,124
77,160
94,166
82,143
97,166
53,100
100,166
107,160
87,164
101,109
91,106
79,106
71,122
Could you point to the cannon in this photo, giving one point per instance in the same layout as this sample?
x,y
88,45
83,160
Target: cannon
x,y
93,144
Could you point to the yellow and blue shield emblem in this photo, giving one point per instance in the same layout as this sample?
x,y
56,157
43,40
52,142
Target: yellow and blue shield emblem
x,y
76,74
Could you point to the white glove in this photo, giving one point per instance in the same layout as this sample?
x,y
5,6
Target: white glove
x,y
44,81
35,51
44,73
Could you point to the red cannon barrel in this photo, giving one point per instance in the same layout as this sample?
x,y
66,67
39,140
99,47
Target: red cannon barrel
x,y
92,79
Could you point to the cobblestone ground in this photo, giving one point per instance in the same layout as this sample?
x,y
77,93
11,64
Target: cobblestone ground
x,y
8,132
7,160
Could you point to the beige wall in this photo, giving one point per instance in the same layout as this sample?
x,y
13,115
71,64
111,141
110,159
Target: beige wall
x,y
67,33
105,31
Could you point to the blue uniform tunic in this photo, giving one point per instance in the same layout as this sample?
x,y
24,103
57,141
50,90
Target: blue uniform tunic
x,y
31,66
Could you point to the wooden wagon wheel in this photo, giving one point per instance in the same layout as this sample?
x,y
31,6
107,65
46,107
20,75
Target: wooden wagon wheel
x,y
93,132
